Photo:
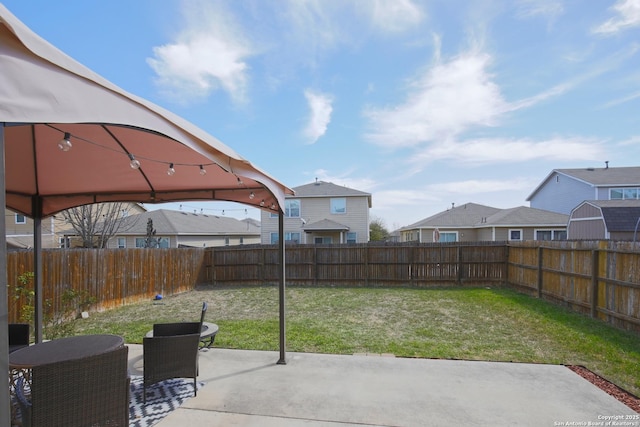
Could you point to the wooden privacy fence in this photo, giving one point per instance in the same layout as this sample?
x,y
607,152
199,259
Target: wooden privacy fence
x,y
601,279
359,264
113,277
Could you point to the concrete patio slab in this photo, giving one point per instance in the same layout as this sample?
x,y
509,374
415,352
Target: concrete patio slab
x,y
248,388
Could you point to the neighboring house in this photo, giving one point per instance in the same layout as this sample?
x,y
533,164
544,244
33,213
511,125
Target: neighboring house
x,y
605,220
564,189
19,228
174,229
473,222
321,212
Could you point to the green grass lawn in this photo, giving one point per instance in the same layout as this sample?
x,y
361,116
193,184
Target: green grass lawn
x,y
475,324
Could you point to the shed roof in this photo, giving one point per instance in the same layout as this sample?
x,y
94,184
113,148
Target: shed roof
x,y
619,215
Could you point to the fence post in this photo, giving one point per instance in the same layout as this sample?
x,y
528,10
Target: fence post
x,y
459,278
595,272
539,271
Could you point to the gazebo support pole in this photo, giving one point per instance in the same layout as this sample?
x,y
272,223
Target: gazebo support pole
x,y
37,268
5,401
283,333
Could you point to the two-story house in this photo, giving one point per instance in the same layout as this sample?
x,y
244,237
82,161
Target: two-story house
x,y
564,189
321,212
472,222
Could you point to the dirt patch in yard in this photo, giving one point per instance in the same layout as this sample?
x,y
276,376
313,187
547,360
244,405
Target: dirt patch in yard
x,y
622,395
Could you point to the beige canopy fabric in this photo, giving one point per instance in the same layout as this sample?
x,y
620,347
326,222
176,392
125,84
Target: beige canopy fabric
x,y
45,94
47,97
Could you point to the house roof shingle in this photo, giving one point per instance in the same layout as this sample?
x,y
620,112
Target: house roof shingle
x,y
472,215
169,222
326,189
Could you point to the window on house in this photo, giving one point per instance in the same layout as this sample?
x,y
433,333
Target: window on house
x,y
122,242
21,219
551,235
515,234
630,193
624,193
292,237
320,240
339,205
242,240
543,234
160,242
64,242
291,209
448,236
226,241
352,237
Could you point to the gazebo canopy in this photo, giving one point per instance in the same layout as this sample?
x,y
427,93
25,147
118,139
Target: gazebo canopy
x,y
45,95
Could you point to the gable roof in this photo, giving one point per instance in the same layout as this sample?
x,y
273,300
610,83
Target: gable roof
x,y
597,177
325,225
327,189
619,215
524,215
169,222
466,215
471,215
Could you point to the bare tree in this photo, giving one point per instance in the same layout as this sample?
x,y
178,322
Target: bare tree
x,y
95,224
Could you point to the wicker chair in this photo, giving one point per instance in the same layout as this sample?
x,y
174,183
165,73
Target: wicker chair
x,y
92,391
172,352
18,336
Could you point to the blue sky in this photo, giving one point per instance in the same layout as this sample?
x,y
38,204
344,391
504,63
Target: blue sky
x,y
422,103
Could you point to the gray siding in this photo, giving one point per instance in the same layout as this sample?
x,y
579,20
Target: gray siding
x,y
592,229
561,194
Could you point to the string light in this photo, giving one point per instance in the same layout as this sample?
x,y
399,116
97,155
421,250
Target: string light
x,y
133,163
65,143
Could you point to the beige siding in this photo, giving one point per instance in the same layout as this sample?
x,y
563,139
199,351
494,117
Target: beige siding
x,y
314,209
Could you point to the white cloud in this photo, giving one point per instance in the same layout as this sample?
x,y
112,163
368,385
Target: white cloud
x,y
394,15
627,16
549,9
444,101
346,179
208,54
496,150
319,116
476,186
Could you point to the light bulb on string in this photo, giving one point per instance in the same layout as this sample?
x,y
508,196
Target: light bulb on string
x,y
171,170
203,171
252,195
262,202
135,164
65,143
240,181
